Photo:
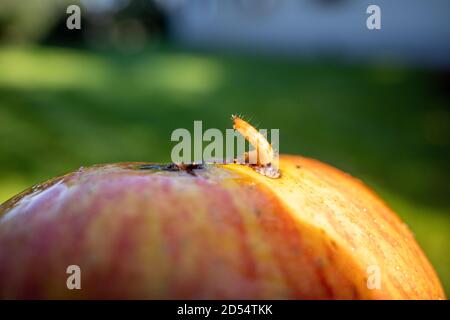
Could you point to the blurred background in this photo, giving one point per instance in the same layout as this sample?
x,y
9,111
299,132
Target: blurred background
x,y
375,103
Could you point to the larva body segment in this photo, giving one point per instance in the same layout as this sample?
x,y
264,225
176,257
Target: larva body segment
x,y
264,151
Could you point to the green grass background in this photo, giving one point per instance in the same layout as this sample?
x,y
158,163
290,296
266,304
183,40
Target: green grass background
x,y
62,109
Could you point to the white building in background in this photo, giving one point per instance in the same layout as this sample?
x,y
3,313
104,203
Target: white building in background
x,y
416,31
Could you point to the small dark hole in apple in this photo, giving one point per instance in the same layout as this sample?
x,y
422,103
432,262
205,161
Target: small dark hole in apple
x,y
173,167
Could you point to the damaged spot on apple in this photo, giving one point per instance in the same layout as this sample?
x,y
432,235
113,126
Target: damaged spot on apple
x,y
173,167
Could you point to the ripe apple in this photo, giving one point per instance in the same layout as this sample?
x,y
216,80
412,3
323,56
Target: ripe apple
x,y
146,231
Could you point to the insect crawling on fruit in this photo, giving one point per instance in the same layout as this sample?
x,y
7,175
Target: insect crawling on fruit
x,y
189,231
262,159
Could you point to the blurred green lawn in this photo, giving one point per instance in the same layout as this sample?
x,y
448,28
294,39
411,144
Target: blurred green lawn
x,y
62,109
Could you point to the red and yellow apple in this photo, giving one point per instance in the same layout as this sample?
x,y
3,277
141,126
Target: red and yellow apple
x,y
217,231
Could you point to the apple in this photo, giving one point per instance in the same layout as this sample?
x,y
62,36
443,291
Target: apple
x,y
271,228
148,231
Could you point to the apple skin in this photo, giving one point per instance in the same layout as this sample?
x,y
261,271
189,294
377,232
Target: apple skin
x,y
141,231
